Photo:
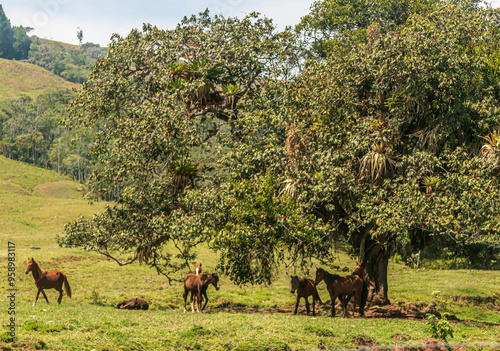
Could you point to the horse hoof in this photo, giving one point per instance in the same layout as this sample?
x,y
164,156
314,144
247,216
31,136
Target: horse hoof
x,y
34,304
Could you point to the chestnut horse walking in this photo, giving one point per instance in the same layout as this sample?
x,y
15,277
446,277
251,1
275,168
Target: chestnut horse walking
x,y
198,285
305,287
342,287
48,280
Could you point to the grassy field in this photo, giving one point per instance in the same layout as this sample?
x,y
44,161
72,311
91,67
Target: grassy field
x,y
22,78
34,206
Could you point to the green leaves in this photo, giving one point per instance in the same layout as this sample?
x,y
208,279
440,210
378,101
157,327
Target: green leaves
x,y
160,100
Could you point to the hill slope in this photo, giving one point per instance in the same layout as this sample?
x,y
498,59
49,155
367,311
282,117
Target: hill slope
x,y
18,78
36,202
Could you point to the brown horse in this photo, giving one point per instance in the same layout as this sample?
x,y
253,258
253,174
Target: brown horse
x,y
198,285
305,287
197,269
359,270
48,280
342,287
133,304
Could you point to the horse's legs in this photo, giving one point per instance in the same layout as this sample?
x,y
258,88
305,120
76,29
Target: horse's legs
x,y
60,295
354,303
199,301
36,298
333,304
184,295
344,301
297,303
314,304
307,305
192,302
46,299
206,300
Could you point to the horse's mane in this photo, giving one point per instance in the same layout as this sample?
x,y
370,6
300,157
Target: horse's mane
x,y
333,276
41,271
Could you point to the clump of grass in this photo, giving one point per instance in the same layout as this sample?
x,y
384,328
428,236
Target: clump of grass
x,y
271,345
45,328
319,331
96,298
195,331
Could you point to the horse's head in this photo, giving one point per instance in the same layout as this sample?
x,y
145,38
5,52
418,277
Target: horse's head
x,y
320,275
197,269
359,270
295,283
215,281
30,266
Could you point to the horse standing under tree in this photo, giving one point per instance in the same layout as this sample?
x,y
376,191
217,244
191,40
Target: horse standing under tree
x,y
48,280
305,287
359,270
198,285
342,287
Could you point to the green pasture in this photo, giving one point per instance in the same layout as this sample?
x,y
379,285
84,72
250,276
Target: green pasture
x,y
34,206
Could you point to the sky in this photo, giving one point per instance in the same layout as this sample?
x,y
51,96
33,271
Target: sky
x,y
99,19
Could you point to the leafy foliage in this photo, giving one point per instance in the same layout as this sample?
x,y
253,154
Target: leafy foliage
x,y
440,329
14,41
70,62
376,145
155,98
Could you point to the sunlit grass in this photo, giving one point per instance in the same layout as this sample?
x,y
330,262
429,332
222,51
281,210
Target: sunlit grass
x,y
36,206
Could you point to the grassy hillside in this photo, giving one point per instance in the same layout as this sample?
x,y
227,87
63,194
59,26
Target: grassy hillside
x,y
34,206
36,203
17,78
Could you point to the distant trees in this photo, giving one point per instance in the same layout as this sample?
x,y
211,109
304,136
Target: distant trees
x,y
14,41
67,61
32,131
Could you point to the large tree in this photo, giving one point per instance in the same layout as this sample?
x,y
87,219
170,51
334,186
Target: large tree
x,y
158,99
376,147
394,129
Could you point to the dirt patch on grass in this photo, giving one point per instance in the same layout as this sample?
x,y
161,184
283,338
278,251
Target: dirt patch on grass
x,y
324,310
477,300
65,259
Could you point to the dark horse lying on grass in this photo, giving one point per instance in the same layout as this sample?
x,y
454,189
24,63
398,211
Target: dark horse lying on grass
x,y
305,287
133,304
198,285
342,287
48,280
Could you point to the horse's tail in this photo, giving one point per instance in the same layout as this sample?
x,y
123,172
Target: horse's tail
x,y
364,297
66,286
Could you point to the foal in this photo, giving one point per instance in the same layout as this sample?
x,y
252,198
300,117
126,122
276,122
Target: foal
x,y
133,304
305,287
48,280
198,285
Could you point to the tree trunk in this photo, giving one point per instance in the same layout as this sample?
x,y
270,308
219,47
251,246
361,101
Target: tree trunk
x,y
376,260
